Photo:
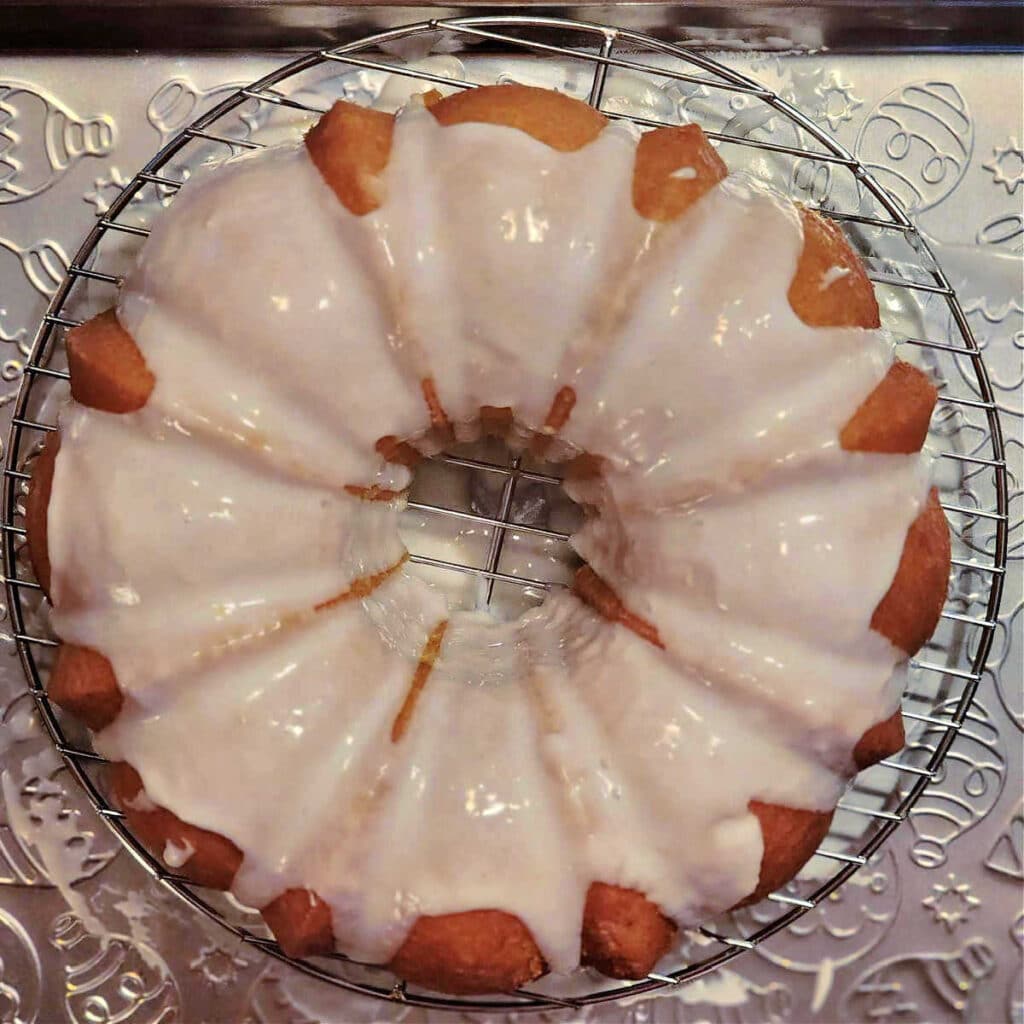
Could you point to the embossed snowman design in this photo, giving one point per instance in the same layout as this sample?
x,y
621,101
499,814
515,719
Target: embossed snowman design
x,y
40,138
112,977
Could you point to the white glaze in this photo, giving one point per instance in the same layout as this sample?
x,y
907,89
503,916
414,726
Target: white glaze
x,y
275,358
710,574
547,752
483,807
702,384
140,802
166,551
177,855
832,275
645,747
463,219
810,524
315,703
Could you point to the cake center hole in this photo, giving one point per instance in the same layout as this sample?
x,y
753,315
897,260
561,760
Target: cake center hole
x,y
489,527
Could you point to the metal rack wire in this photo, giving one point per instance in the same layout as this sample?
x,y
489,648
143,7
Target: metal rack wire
x,y
942,681
501,522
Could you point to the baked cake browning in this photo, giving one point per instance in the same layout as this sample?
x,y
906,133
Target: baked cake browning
x,y
108,371
482,949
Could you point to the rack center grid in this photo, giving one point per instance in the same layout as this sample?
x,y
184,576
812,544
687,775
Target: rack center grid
x,y
629,76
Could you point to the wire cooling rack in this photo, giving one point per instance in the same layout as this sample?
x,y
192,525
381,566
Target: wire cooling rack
x,y
618,72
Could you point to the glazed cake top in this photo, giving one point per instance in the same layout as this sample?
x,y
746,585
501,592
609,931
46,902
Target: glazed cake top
x,y
211,560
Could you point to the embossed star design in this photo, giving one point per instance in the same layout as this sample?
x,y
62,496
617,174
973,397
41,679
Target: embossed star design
x,y
218,965
837,100
105,190
951,903
1007,165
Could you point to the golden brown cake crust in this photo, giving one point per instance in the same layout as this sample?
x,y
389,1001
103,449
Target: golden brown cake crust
x,y
350,146
215,859
550,117
301,923
391,449
880,741
623,933
108,371
657,194
37,507
790,838
596,592
82,682
849,300
894,418
471,953
910,610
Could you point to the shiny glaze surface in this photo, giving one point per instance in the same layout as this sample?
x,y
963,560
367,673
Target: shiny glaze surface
x,y
525,256
570,741
182,551
278,258
702,383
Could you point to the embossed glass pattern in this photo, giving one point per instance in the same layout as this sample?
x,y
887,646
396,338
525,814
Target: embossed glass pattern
x,y
930,144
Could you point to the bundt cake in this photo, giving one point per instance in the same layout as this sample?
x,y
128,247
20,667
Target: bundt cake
x,y
292,713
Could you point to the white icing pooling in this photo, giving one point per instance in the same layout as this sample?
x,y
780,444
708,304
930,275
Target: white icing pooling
x,y
49,835
177,855
832,275
543,753
398,90
140,802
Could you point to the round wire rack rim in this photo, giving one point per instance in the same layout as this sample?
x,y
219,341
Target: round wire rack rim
x,y
37,370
